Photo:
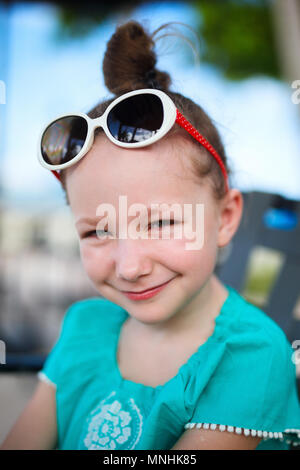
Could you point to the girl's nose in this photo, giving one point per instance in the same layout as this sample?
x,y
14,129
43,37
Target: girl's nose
x,y
132,260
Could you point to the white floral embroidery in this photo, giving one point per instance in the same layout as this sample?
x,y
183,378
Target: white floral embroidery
x,y
114,425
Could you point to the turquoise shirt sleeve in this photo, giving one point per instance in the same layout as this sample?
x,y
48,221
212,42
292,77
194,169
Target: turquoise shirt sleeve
x,y
53,366
253,388
78,365
70,352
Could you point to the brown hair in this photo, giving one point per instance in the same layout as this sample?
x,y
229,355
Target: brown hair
x,y
129,64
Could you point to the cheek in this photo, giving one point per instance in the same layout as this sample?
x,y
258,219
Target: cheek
x,y
95,261
173,255
195,258
193,261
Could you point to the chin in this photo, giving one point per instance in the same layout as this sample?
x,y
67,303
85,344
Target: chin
x,y
149,314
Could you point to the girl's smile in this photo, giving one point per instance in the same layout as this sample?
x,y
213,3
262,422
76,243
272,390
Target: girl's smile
x,y
146,294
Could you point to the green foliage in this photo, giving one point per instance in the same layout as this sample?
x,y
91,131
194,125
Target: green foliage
x,y
238,37
78,19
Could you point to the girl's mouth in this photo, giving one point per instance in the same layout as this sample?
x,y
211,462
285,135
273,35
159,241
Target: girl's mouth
x,y
146,294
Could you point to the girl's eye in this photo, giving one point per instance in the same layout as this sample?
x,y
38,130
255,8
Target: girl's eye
x,y
101,233
96,233
88,234
168,222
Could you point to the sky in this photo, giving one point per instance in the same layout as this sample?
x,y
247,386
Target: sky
x,y
257,120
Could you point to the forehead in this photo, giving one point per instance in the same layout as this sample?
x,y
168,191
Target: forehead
x,y
158,173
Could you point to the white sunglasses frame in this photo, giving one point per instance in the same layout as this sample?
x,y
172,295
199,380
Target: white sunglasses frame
x,y
170,115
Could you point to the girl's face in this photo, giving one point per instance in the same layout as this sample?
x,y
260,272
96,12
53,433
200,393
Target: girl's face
x,y
154,174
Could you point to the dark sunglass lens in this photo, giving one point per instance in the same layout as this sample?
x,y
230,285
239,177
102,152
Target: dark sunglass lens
x,y
64,139
136,119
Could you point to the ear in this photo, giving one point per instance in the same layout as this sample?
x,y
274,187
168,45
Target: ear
x,y
230,214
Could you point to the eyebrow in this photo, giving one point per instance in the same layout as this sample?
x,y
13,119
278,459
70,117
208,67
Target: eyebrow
x,y
87,220
93,220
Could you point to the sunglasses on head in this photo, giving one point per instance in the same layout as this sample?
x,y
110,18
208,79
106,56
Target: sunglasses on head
x,y
135,119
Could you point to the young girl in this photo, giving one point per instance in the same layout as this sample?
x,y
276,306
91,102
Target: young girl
x,y
167,357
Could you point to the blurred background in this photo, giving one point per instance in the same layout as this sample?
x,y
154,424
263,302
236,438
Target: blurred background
x,y
244,75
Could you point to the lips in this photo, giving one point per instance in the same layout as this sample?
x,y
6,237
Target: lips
x,y
146,290
144,295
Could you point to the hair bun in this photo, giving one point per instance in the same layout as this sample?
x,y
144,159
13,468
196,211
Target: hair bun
x,y
129,61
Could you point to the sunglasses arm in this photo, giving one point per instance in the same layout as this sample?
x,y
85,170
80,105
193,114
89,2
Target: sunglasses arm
x,y
183,122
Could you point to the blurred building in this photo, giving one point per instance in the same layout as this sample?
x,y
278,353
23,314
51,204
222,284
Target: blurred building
x,y
41,276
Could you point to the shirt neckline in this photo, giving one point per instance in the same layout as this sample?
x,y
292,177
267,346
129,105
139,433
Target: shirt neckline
x,y
215,335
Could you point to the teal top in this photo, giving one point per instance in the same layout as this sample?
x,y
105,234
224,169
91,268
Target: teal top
x,y
242,380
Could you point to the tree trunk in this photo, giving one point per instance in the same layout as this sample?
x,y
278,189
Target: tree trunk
x,y
286,20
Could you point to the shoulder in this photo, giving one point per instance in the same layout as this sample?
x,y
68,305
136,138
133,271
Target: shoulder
x,y
257,356
86,333
249,353
253,330
88,315
251,380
